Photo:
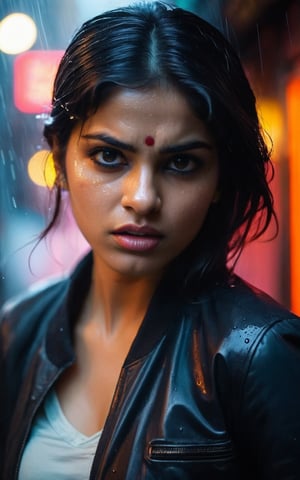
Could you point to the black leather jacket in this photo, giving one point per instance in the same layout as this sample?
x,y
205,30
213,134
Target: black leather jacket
x,y
210,389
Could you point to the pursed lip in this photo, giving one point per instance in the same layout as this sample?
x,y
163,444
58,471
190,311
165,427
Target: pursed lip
x,y
136,238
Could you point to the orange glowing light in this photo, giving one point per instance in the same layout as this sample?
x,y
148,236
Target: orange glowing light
x,y
293,118
41,169
271,118
34,73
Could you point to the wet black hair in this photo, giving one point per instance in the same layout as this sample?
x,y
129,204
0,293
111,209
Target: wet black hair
x,y
142,46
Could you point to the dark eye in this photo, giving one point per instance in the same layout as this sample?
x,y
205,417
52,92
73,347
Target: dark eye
x,y
183,164
107,157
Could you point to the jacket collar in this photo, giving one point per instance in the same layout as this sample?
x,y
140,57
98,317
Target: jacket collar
x,y
68,303
165,307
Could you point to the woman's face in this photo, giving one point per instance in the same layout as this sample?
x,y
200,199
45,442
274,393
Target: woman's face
x,y
141,174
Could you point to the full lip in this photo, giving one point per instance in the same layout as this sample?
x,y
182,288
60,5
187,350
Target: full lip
x,y
137,238
138,231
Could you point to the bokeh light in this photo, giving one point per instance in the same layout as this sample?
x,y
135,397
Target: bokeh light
x,y
41,169
271,117
18,33
33,77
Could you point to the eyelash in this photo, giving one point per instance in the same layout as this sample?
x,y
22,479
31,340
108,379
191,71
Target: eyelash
x,y
93,154
188,158
115,165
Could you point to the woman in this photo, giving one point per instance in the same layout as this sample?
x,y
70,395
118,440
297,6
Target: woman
x,y
153,360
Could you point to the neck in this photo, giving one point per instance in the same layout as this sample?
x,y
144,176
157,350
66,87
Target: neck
x,y
117,303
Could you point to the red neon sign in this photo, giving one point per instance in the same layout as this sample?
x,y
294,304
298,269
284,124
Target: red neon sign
x,y
34,73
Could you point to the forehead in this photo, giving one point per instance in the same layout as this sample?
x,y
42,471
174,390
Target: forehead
x,y
147,102
155,112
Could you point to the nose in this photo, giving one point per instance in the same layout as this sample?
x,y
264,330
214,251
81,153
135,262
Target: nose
x,y
140,191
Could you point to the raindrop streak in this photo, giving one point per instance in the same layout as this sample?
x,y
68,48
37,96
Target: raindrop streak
x,y
12,171
259,49
40,18
288,29
2,156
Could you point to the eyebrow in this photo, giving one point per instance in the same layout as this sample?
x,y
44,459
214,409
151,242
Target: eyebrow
x,y
165,150
186,146
109,140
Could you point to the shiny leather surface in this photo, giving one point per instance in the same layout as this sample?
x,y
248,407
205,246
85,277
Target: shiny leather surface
x,y
210,388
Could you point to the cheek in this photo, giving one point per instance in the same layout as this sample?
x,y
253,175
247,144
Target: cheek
x,y
191,206
85,185
89,199
80,174
187,213
190,223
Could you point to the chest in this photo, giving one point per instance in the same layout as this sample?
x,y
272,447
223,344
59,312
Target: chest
x,y
86,389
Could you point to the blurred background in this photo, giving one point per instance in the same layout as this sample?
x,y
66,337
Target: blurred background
x,y
33,36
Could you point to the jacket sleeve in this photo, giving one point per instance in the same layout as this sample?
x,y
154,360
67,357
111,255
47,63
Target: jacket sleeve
x,y
269,420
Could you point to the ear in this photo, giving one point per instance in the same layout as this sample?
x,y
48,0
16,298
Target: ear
x,y
61,180
60,177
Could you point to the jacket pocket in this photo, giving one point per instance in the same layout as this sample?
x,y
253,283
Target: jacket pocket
x,y
159,450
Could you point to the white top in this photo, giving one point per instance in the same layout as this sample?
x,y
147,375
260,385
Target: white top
x,y
55,449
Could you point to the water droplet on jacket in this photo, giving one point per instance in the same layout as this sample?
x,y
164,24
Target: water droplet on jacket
x,y
181,429
33,397
247,340
61,329
114,470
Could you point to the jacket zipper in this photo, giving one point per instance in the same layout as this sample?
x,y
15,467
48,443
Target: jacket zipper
x,y
190,452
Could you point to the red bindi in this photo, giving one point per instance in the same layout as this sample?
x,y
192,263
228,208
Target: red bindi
x,y
149,141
